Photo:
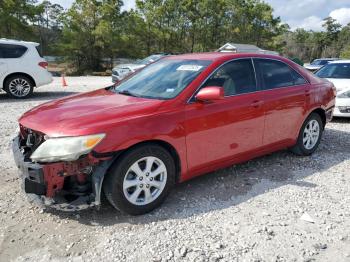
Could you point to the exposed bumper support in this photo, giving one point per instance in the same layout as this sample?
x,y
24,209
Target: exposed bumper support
x,y
97,179
40,181
329,114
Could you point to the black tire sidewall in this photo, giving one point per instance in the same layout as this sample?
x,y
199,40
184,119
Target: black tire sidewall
x,y
300,143
7,84
113,185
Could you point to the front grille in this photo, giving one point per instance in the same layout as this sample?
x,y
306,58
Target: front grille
x,y
30,140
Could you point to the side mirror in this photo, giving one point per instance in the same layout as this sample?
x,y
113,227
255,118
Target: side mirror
x,y
210,93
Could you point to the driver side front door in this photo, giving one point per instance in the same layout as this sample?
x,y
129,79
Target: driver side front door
x,y
223,131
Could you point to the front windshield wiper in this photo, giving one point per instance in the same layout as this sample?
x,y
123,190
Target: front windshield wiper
x,y
127,93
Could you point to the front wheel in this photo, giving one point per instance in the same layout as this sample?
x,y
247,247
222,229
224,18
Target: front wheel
x,y
309,136
140,181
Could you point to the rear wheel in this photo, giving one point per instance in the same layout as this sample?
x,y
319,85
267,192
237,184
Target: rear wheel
x,y
140,181
19,86
309,135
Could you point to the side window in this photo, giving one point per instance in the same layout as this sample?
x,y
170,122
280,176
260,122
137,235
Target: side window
x,y
38,49
12,51
236,77
276,74
298,79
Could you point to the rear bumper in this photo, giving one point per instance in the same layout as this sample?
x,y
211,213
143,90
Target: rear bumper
x,y
115,79
44,184
43,78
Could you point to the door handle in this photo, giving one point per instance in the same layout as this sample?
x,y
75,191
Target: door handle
x,y
257,103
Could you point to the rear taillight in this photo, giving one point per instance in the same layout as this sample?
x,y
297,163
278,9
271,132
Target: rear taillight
x,y
43,64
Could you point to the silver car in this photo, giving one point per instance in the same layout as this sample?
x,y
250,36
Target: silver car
x,y
318,63
121,71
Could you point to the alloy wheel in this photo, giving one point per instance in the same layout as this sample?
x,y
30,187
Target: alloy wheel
x,y
311,134
19,87
145,180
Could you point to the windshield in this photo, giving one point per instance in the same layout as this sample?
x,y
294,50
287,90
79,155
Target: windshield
x,y
334,71
319,62
164,79
149,59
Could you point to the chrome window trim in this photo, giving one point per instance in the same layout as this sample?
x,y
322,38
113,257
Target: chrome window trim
x,y
256,76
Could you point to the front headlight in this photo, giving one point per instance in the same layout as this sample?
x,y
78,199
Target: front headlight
x,y
65,148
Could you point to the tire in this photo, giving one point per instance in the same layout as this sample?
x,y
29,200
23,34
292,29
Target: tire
x,y
127,190
19,86
303,147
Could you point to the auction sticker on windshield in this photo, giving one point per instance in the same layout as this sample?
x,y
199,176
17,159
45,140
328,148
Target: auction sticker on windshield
x,y
194,68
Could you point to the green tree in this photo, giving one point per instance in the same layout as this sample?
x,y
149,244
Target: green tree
x,y
332,28
47,26
192,26
16,17
91,32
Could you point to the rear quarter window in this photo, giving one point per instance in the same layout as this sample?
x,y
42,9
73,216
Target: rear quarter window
x,y
38,48
12,51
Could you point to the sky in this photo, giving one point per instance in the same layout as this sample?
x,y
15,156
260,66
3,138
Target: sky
x,y
307,14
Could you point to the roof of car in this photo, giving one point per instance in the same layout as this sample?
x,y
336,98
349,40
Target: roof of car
x,y
325,58
341,62
16,42
219,55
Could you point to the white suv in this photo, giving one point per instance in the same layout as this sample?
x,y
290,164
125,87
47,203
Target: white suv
x,y
22,67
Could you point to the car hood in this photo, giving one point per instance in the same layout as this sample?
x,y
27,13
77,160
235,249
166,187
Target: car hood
x,y
342,101
340,84
86,113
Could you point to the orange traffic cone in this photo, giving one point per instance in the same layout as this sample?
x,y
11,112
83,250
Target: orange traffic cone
x,y
64,83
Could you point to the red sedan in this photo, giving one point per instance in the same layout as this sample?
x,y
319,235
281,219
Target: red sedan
x,y
178,118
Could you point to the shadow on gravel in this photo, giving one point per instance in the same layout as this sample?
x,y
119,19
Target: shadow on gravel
x,y
37,96
341,120
231,186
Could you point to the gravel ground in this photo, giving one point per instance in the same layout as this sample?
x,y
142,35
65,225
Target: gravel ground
x,y
248,212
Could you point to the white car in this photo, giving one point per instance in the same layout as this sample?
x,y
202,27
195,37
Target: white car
x,y
338,72
121,71
318,63
342,104
22,68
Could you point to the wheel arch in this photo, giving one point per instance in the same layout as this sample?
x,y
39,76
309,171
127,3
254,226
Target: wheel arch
x,y
318,110
170,148
20,74
322,113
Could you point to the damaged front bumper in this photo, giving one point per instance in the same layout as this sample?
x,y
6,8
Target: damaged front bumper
x,y
66,186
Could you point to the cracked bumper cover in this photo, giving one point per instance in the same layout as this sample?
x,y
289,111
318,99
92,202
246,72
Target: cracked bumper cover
x,y
40,180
